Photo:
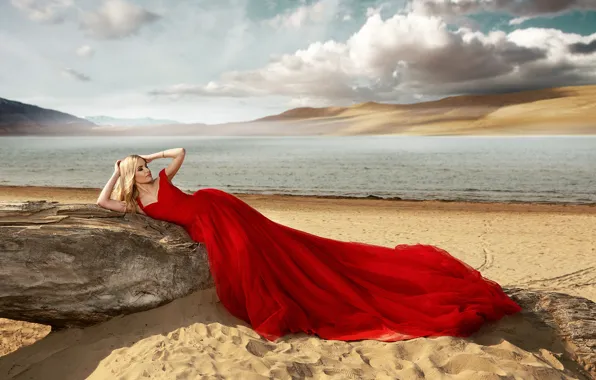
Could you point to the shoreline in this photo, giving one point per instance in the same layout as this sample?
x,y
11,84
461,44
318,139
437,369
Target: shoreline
x,y
64,194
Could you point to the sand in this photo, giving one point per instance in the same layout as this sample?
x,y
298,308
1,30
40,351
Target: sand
x,y
553,111
532,246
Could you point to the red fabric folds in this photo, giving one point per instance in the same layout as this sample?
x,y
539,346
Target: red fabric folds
x,y
281,280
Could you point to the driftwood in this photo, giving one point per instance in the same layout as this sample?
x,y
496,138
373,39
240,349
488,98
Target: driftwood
x,y
78,265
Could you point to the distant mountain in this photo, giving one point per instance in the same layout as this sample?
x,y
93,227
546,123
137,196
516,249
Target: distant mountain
x,y
18,118
133,122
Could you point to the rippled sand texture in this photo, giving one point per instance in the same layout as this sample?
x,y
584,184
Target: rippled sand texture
x,y
196,338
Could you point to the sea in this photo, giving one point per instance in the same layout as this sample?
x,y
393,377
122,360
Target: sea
x,y
539,169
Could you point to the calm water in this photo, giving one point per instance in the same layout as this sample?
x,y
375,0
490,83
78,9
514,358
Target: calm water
x,y
536,169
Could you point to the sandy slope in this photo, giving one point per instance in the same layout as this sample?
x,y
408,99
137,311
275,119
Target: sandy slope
x,y
534,246
564,110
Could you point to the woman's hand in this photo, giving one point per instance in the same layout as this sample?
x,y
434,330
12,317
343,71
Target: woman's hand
x,y
117,167
147,158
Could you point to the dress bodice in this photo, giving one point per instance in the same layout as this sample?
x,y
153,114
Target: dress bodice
x,y
172,205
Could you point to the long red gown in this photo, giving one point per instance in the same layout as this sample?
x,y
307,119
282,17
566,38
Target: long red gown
x,y
281,280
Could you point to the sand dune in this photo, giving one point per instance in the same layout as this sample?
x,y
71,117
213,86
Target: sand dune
x,y
564,110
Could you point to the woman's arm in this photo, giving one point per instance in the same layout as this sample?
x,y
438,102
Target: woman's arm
x,y
171,153
104,197
177,154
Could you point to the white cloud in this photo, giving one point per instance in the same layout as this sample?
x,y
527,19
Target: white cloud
x,y
85,51
210,89
321,70
407,57
519,20
317,12
51,11
116,19
73,74
305,101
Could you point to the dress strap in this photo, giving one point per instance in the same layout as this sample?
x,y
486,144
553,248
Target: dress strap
x,y
162,174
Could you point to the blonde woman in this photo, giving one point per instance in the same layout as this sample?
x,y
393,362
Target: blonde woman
x,y
281,280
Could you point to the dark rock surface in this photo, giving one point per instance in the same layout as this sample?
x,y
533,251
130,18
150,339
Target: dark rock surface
x,y
78,265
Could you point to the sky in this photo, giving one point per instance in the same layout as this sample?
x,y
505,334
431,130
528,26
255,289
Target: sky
x,y
217,61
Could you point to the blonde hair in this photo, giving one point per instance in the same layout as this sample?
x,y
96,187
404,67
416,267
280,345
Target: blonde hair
x,y
126,187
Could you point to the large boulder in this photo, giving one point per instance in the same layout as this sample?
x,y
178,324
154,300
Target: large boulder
x,y
78,265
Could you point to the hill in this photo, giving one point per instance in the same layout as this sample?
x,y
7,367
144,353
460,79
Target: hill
x,y
563,110
18,118
553,111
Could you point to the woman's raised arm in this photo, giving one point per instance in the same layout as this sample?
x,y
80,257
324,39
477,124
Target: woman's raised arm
x,y
177,154
104,197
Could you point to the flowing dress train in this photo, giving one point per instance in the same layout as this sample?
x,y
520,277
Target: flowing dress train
x,y
282,280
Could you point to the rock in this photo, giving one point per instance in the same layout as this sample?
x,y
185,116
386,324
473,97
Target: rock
x,y
573,320
78,265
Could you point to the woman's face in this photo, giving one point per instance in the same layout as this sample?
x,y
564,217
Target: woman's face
x,y
142,172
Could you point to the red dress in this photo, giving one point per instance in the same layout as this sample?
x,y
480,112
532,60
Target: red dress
x,y
281,280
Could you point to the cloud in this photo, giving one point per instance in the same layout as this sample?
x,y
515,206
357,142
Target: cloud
x,y
519,20
415,48
317,12
408,57
315,71
50,11
583,47
85,51
524,8
72,73
116,19
211,89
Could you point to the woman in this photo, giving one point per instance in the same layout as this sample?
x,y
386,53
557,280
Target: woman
x,y
282,280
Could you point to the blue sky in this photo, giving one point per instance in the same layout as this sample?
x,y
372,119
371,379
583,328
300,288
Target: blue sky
x,y
217,61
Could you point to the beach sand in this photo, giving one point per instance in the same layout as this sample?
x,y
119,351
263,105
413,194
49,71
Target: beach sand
x,y
531,246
